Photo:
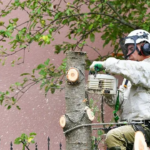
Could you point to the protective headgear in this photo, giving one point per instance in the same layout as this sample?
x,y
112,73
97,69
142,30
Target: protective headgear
x,y
135,37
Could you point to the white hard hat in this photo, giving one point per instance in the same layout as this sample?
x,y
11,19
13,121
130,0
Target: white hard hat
x,y
142,36
135,37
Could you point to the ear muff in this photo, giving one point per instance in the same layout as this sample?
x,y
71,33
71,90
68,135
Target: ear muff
x,y
145,49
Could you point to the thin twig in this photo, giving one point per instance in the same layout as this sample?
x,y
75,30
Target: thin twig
x,y
25,91
108,3
6,7
93,49
23,58
25,145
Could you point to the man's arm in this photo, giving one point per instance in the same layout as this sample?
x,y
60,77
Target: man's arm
x,y
136,72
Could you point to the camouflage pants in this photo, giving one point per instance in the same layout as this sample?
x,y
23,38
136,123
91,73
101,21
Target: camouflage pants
x,y
123,137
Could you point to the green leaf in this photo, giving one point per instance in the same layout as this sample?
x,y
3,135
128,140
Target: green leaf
x,y
42,85
43,73
8,34
17,37
60,82
13,99
24,136
47,62
92,37
47,89
7,92
18,83
33,71
65,21
40,43
32,134
57,49
100,132
1,23
68,11
106,42
52,90
17,141
9,107
91,26
39,10
19,58
15,19
40,66
12,50
23,46
111,25
57,15
32,141
23,74
18,107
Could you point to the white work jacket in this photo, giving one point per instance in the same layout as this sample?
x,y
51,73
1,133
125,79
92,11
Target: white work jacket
x,y
135,99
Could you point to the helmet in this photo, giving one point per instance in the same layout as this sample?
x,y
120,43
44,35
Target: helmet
x,y
141,36
135,37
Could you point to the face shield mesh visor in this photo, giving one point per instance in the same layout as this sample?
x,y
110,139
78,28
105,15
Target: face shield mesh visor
x,y
128,48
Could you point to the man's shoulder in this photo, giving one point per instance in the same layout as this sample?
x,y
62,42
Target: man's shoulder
x,y
147,59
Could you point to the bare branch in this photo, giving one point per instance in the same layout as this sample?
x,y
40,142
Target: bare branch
x,y
23,57
93,49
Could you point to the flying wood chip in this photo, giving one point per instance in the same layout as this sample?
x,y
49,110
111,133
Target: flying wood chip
x,y
90,113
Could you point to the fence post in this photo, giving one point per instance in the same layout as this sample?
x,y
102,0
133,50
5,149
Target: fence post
x,y
36,146
60,146
96,144
48,143
11,146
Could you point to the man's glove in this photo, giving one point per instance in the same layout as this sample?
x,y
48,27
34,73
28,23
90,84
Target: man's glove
x,y
97,66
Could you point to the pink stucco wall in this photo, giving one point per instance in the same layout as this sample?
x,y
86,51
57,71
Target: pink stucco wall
x,y
38,113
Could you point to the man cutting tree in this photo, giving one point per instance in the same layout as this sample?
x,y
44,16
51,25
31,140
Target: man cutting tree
x,y
133,97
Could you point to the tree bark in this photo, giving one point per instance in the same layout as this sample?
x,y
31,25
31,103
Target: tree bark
x,y
78,139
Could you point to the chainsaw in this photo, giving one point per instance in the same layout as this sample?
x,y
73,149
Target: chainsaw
x,y
102,84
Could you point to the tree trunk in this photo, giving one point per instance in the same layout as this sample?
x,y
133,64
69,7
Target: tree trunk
x,y
80,138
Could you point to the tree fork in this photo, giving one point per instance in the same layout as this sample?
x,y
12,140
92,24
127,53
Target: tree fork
x,y
76,114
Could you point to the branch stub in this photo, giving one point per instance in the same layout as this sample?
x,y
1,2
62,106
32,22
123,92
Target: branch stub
x,y
72,75
62,121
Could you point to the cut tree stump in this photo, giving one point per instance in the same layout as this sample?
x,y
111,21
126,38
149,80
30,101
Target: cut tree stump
x,y
75,115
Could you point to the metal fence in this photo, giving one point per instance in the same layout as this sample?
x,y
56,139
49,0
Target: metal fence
x,y
95,145
36,145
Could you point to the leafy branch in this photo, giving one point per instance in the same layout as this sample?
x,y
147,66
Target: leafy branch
x,y
25,140
49,79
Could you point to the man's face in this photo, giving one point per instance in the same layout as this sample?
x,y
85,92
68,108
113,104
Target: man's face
x,y
135,56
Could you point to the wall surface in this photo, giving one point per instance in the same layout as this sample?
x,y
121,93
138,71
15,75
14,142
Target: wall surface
x,y
38,113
